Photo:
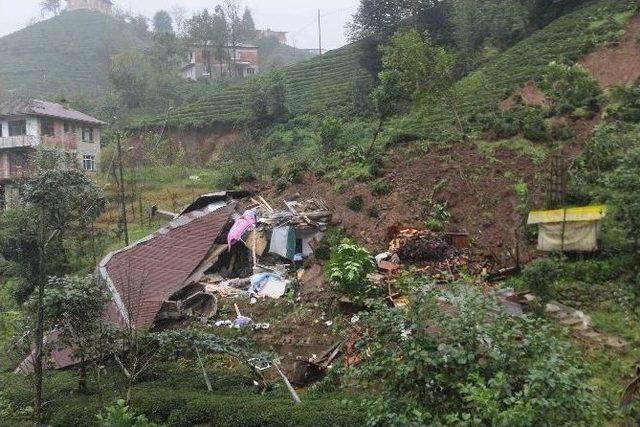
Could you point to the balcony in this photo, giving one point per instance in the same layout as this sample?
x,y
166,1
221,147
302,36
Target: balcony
x,y
21,141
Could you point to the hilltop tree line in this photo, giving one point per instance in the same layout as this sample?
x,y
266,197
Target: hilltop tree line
x,y
472,28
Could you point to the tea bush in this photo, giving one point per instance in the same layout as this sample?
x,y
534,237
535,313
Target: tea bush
x,y
455,358
571,85
541,275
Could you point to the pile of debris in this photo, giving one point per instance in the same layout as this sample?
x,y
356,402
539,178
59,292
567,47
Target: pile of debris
x,y
442,256
414,246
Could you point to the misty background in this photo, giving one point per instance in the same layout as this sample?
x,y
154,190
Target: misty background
x,y
297,17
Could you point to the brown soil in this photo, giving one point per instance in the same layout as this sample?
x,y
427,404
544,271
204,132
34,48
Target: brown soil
x,y
617,65
529,95
479,194
201,146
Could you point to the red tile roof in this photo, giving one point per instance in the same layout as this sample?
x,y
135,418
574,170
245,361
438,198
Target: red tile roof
x,y
149,272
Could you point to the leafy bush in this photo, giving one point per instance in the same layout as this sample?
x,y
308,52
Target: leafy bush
x,y
119,415
624,103
541,275
257,411
356,203
329,132
571,85
380,187
530,121
348,269
455,358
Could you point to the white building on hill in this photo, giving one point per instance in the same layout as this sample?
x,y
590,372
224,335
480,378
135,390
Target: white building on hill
x,y
102,6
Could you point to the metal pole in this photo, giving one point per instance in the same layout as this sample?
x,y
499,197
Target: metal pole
x,y
122,194
319,34
293,393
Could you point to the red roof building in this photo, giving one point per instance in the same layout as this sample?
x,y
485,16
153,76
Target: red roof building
x,y
143,276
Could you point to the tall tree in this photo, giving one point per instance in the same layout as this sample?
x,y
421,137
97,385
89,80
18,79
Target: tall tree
x,y
51,6
412,65
74,306
234,25
178,13
209,32
162,22
247,27
59,202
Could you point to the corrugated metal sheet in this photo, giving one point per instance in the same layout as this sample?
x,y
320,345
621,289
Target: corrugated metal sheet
x,y
586,213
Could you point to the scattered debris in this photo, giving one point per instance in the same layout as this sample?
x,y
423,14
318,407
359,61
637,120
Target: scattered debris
x,y
413,245
314,369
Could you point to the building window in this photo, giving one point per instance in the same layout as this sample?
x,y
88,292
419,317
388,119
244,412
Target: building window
x,y
251,71
48,128
1,130
66,127
17,128
89,162
192,57
87,134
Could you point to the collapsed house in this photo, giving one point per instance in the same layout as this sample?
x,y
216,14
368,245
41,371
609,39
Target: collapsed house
x,y
172,275
569,229
177,273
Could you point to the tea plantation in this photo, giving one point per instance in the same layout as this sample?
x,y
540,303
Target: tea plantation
x,y
68,54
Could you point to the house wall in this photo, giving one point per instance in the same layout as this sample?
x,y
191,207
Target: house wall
x,y
97,5
86,148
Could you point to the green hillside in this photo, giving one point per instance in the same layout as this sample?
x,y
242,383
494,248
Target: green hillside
x,y
325,83
566,39
313,85
67,54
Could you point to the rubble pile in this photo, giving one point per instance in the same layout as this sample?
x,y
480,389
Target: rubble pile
x,y
436,254
413,245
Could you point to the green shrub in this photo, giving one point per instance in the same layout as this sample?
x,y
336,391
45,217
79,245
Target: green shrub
x,y
571,85
434,224
560,132
356,203
380,187
373,212
75,412
252,411
329,132
454,357
348,269
158,403
119,415
541,275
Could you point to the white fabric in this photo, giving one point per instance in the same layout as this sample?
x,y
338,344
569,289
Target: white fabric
x,y
578,236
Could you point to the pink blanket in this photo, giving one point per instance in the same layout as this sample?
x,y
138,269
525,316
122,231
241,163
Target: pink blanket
x,y
242,224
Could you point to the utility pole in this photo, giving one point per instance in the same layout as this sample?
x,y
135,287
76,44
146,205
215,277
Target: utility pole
x,y
122,194
319,34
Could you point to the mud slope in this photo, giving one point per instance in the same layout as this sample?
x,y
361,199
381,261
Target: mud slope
x,y
617,65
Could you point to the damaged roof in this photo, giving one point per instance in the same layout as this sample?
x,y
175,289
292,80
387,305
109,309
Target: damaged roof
x,y
147,273
17,106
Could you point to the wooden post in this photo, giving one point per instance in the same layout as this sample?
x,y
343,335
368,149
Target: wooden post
x,y
122,194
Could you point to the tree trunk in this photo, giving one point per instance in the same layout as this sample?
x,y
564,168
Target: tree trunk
x,y
39,333
375,136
